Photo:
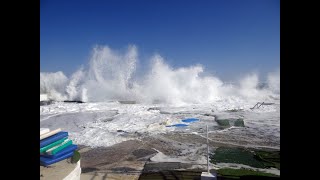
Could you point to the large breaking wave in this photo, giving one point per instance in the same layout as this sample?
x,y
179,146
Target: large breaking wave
x,y
111,75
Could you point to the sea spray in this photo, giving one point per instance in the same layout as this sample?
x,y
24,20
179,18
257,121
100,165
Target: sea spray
x,y
54,85
181,85
110,75
74,88
274,81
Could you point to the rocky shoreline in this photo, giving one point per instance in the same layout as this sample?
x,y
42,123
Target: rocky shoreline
x,y
135,158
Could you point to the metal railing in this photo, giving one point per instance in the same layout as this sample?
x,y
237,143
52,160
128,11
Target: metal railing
x,y
259,104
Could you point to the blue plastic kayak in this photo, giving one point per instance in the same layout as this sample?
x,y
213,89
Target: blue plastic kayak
x,y
51,139
66,150
45,161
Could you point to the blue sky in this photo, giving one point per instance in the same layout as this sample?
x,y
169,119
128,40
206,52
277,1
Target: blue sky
x,y
228,37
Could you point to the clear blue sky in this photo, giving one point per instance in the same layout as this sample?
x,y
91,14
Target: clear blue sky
x,y
228,37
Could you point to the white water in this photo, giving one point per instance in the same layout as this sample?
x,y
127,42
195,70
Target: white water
x,y
98,124
110,75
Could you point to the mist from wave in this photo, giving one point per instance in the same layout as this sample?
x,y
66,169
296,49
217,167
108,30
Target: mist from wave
x,y
112,75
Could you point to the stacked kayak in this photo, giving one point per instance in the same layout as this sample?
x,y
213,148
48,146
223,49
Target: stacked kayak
x,y
55,146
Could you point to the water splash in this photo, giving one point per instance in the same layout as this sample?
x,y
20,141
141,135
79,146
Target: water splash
x,y
110,76
53,84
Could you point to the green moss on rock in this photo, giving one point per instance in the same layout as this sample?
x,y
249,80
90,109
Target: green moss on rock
x,y
239,123
253,158
270,159
226,123
235,155
223,122
237,173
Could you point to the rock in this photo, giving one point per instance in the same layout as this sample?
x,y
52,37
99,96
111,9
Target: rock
x,y
139,153
75,101
44,103
239,123
226,123
223,122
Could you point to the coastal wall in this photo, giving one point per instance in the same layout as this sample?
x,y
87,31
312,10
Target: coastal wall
x,y
62,170
75,174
